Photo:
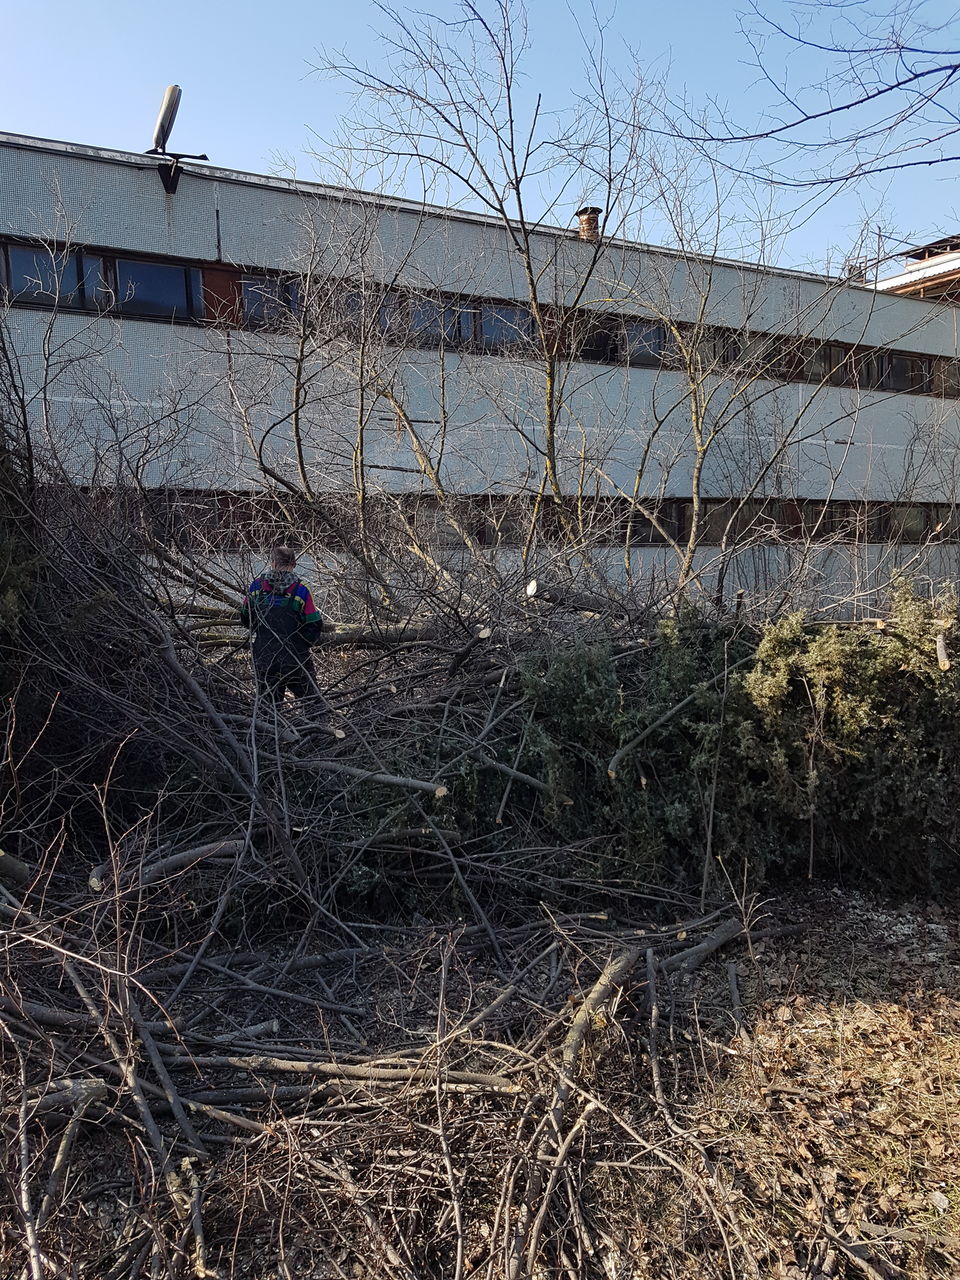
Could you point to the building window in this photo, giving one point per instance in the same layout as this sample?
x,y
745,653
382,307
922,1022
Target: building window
x,y
364,314
817,366
96,279
897,371
348,313
765,355
158,289
43,276
504,328
945,522
717,348
269,301
391,318
622,522
589,337
844,365
434,323
911,524
643,344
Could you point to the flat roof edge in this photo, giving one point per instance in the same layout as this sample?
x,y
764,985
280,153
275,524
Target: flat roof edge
x,y
296,186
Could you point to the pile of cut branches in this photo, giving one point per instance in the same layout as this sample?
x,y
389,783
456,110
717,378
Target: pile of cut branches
x,y
406,984
414,1103
580,1096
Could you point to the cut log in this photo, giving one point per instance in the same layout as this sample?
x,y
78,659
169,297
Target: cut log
x,y
577,601
149,874
688,960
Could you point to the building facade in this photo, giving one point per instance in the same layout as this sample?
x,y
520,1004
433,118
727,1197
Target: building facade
x,y
216,342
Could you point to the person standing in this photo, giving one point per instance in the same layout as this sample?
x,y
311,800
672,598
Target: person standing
x,y
279,610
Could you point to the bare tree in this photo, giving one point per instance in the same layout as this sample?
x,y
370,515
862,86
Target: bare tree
x,y
873,91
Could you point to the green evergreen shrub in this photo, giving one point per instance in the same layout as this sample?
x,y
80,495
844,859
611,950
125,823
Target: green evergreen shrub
x,y
806,749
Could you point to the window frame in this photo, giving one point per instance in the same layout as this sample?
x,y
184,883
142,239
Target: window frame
x,y
192,290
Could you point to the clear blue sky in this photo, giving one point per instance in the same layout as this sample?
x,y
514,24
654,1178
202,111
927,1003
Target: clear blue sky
x,y
93,71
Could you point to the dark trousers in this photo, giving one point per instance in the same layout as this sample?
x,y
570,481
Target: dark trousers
x,y
274,682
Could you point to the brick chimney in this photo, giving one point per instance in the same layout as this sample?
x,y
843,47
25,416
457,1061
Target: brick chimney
x,y
589,217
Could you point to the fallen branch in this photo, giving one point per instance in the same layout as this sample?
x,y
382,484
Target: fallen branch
x,y
148,873
13,870
370,1073
688,960
668,715
67,1095
435,789
517,775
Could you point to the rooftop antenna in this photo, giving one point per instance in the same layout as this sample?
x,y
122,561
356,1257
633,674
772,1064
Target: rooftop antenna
x,y
169,168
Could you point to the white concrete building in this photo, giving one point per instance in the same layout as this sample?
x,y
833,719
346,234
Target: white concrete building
x,y
241,333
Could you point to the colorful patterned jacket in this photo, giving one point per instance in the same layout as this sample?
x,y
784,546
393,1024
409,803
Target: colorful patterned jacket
x,y
285,622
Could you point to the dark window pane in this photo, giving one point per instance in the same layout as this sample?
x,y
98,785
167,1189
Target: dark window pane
x,y
269,301
390,318
818,363
945,521
730,346
897,371
654,523
761,353
358,313
714,521
157,289
905,372
948,377
887,371
812,519
504,326
37,275
843,366
921,374
873,370
911,524
715,348
793,362
434,323
644,343
349,309
837,520
466,321
590,340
